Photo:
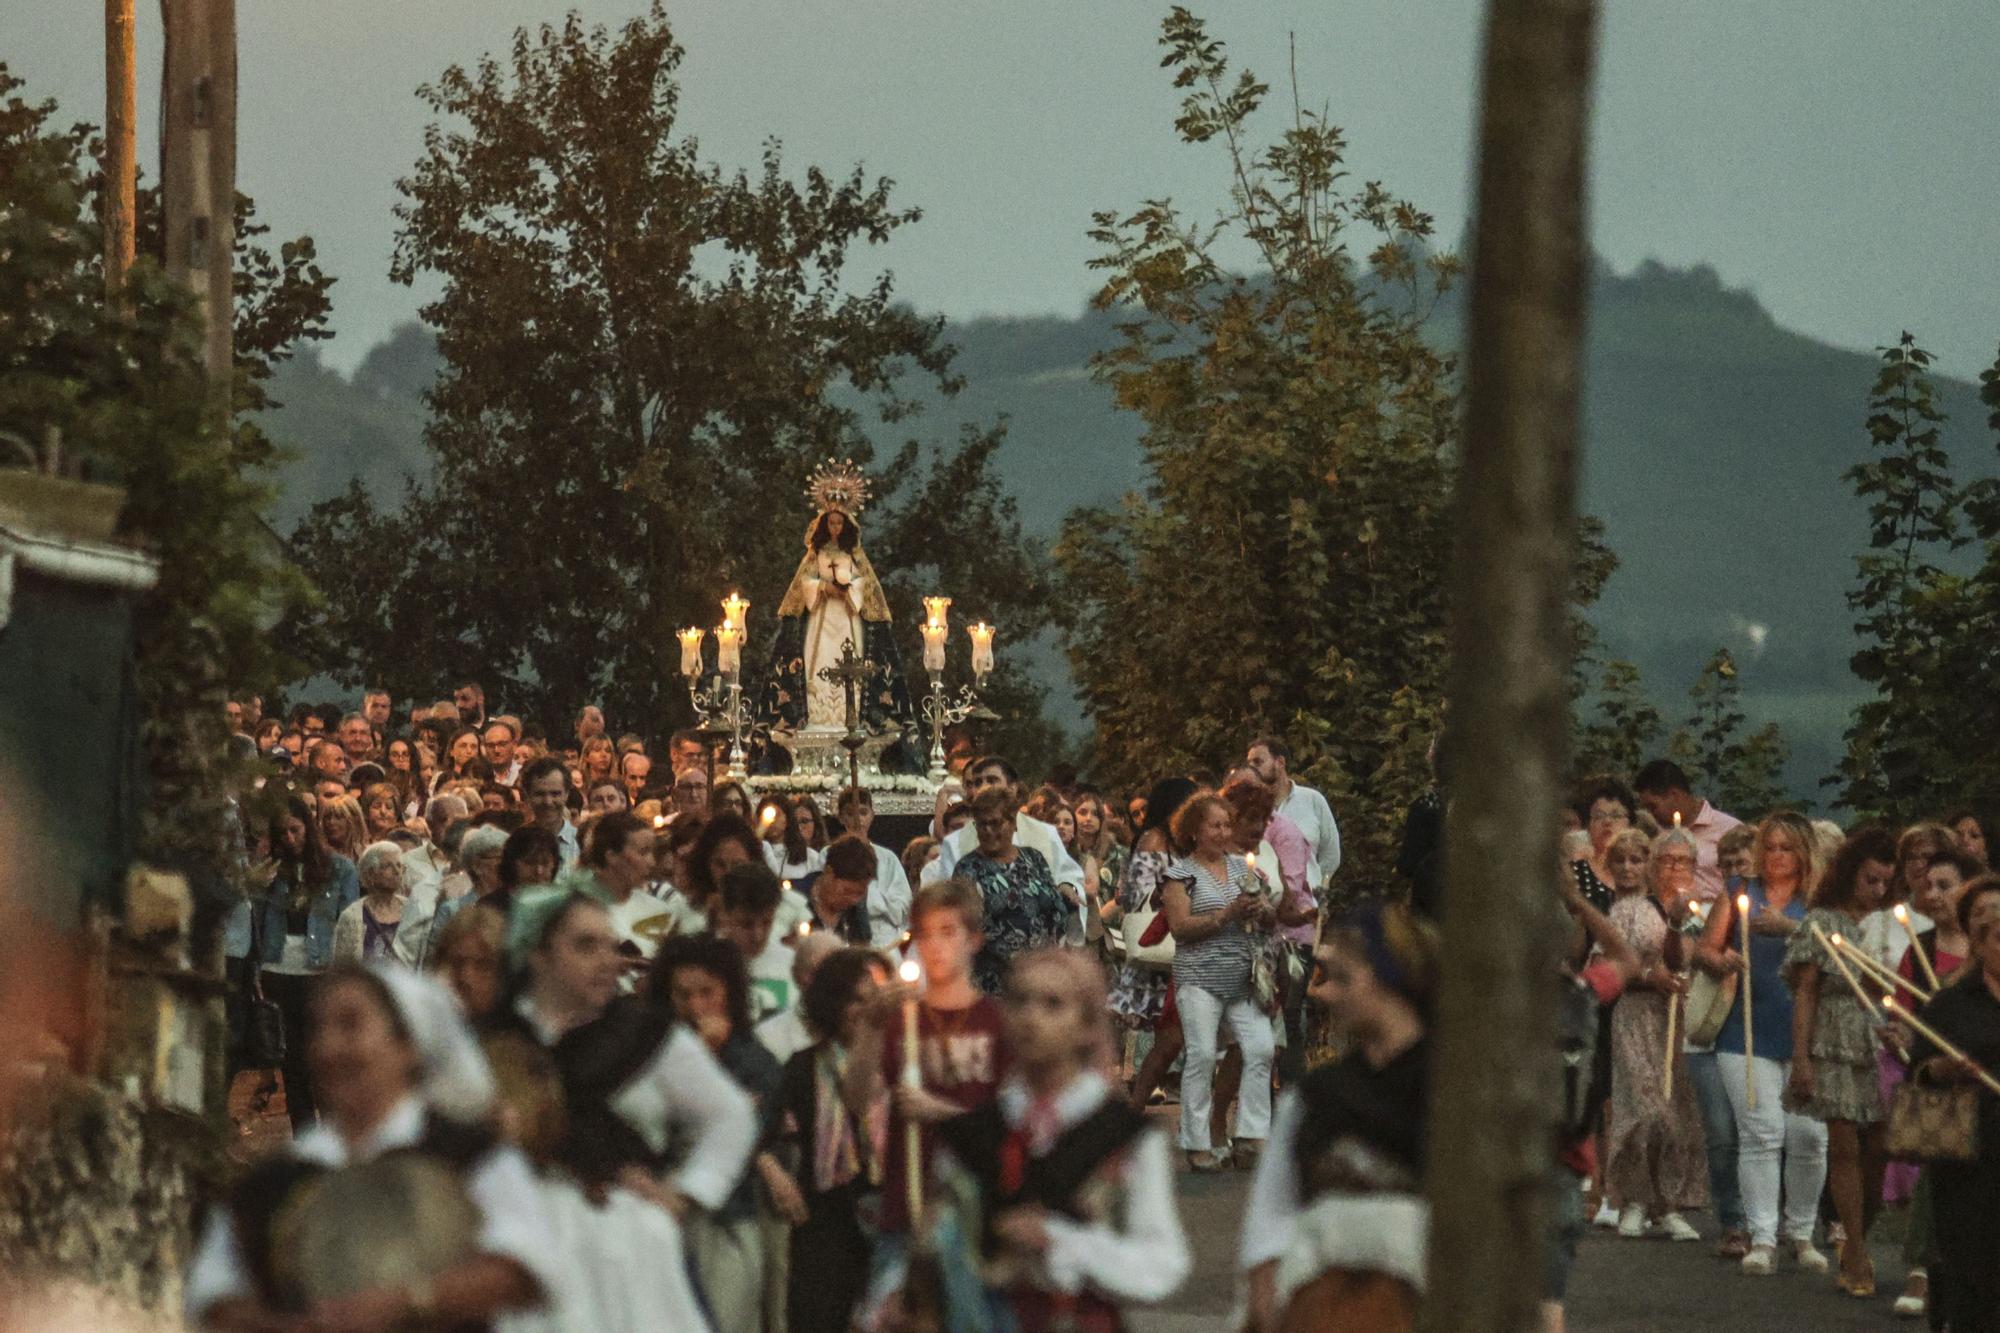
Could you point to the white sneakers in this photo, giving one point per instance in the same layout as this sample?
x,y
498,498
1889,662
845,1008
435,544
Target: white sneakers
x,y
1810,1259
1763,1259
1678,1228
1632,1224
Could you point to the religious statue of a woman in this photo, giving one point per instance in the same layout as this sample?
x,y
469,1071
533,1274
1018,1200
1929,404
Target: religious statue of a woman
x,y
834,599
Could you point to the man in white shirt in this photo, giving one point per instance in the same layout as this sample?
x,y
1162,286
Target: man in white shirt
x,y
784,1034
425,870
982,775
1271,760
889,890
1662,787
546,785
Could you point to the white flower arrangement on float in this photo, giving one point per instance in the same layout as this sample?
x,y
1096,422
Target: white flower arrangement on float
x,y
834,782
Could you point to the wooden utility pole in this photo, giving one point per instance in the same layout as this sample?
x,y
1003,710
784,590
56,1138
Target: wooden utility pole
x,y
121,153
1495,1093
198,168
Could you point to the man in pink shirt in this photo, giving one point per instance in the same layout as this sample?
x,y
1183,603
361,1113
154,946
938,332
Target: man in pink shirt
x,y
1662,787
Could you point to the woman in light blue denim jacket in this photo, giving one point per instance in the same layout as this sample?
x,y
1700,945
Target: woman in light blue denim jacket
x,y
292,934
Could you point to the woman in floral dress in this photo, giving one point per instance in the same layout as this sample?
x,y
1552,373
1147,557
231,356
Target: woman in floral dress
x,y
1024,906
1834,1078
1657,1164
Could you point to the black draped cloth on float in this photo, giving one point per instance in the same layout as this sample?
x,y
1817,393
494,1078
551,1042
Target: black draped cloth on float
x,y
885,700
1965,1282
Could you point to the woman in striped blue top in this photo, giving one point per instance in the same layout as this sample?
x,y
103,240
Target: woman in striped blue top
x,y
1217,916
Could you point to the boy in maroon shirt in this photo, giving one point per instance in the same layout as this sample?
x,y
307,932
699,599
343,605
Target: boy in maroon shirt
x,y
961,1053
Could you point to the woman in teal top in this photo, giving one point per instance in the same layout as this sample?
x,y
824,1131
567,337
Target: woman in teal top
x,y
1774,1146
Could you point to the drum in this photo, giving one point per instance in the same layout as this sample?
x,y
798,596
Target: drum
x,y
402,1218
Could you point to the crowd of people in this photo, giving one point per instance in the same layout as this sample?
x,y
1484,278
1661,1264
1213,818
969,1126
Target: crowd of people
x,y
633,1045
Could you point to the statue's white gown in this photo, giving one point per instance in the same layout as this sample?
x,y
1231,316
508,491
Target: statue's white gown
x,y
831,621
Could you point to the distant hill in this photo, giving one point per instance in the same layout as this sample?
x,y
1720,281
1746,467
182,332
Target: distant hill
x,y
1715,443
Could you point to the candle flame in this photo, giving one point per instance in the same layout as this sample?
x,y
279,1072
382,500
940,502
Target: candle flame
x,y
1902,913
805,929
1677,819
659,821
1743,902
910,970
770,816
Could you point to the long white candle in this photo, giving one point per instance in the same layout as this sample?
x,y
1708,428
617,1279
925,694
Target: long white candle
x,y
1871,965
1673,1014
1902,915
1925,1030
1749,1033
913,1077
1854,984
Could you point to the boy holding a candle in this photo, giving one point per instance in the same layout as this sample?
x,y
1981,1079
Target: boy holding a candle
x,y
961,1054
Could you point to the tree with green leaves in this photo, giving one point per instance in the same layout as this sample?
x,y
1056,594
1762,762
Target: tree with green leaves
x,y
1285,567
1740,773
1624,727
645,356
126,396
1901,743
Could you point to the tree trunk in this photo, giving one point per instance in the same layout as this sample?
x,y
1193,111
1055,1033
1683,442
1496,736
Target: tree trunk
x,y
121,154
1495,1090
198,170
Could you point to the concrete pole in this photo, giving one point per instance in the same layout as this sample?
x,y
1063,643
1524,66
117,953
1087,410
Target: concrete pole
x,y
121,154
198,168
1495,1091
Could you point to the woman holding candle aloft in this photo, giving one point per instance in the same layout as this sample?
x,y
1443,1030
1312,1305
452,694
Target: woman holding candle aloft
x,y
1833,1077
1965,1196
1217,912
1655,1163
1774,1147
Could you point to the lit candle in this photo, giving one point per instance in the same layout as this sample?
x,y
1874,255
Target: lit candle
x,y
913,1077
691,651
1902,915
1874,968
1677,819
1853,982
1749,1040
982,648
729,649
937,610
733,610
1944,1047
934,632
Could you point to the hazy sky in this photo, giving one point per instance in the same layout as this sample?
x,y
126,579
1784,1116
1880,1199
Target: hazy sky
x,y
1838,158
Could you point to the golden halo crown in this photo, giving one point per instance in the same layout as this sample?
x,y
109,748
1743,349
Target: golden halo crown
x,y
839,486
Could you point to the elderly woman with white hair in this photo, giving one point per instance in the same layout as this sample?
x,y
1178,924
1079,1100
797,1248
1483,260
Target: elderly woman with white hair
x,y
398,1209
1657,1162
367,926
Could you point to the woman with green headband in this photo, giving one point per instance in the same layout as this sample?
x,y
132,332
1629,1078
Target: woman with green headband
x,y
633,1079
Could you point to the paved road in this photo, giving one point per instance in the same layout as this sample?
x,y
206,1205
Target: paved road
x,y
1620,1286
